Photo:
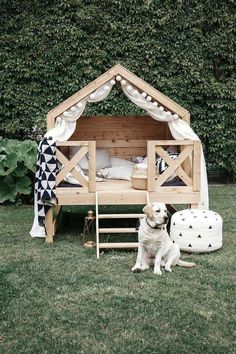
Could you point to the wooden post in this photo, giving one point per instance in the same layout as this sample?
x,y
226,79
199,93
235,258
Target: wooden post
x,y
151,171
92,166
196,165
49,226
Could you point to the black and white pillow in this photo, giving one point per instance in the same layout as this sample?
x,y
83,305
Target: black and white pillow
x,y
162,165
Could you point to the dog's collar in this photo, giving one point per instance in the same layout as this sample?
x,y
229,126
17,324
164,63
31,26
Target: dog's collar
x,y
156,227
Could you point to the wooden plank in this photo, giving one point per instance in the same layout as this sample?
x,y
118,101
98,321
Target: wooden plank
x,y
130,151
121,216
118,245
113,143
151,166
178,196
118,135
72,143
92,166
117,230
196,166
172,142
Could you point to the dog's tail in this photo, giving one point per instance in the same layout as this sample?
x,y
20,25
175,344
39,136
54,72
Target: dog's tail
x,y
185,264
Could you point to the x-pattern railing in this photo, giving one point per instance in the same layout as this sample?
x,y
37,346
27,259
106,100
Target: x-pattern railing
x,y
190,154
69,165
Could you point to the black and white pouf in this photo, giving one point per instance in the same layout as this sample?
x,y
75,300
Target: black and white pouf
x,y
197,230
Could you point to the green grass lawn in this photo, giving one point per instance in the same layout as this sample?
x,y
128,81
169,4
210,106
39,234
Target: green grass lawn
x,y
61,299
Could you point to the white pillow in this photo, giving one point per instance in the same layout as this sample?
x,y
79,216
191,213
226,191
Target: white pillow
x,y
102,159
116,161
117,172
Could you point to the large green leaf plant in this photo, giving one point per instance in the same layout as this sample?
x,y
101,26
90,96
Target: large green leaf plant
x,y
17,167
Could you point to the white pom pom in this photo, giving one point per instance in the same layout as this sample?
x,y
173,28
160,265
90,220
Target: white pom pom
x,y
65,114
175,116
161,109
123,82
149,98
129,88
155,104
135,93
73,109
118,78
106,88
144,94
168,114
92,96
112,82
79,105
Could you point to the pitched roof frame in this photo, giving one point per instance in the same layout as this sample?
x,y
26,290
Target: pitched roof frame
x,y
118,69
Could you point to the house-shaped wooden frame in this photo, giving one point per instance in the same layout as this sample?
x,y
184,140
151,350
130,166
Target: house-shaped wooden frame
x,y
125,137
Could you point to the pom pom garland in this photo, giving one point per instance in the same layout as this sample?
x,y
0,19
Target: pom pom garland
x,y
112,82
149,98
144,94
123,82
118,78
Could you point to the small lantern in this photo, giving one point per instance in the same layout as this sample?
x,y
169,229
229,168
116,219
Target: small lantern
x,y
89,234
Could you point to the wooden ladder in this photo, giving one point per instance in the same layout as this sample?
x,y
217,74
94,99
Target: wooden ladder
x,y
100,245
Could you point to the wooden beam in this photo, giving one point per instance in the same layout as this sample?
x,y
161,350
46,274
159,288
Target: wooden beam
x,y
151,166
196,165
151,91
92,166
78,96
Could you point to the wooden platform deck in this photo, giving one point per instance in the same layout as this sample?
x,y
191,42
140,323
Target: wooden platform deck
x,y
113,192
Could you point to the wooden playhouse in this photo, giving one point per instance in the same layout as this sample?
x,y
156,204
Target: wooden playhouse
x,y
124,137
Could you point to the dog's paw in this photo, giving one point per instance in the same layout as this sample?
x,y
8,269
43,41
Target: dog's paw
x,y
157,271
136,269
167,270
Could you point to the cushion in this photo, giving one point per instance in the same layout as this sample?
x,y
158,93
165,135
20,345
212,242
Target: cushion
x,y
117,172
196,230
116,161
102,159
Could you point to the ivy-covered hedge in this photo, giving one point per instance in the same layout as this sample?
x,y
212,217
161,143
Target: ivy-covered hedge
x,y
52,48
17,167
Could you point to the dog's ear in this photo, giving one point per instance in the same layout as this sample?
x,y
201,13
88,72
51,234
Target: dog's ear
x,y
148,210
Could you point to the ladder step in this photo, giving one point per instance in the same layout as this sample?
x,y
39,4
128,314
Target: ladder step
x,y
120,216
117,230
118,245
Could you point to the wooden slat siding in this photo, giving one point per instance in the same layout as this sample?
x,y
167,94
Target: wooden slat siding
x,y
196,165
168,172
92,165
151,166
121,136
179,171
